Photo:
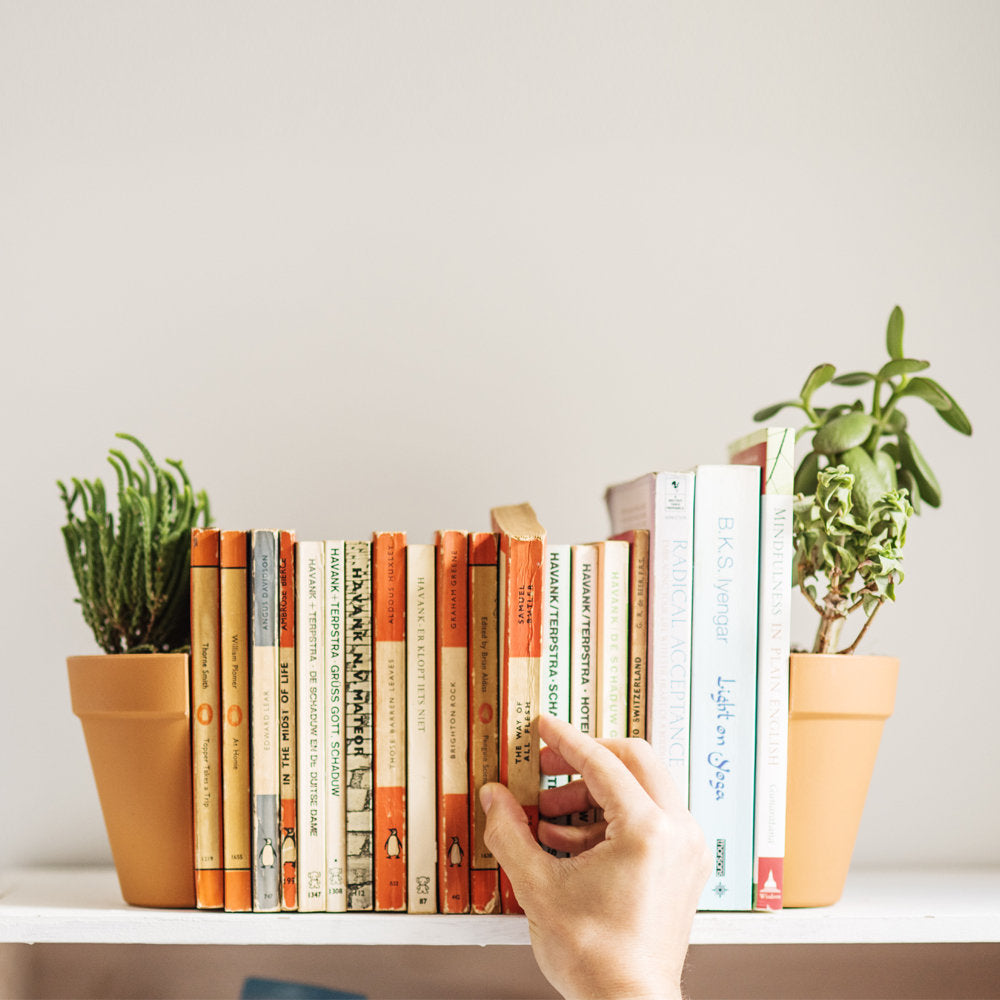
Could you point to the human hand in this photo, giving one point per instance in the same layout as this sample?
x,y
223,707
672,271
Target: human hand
x,y
613,919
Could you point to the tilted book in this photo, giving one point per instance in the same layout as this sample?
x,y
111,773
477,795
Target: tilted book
x,y
359,726
389,598
484,715
638,628
264,721
235,721
336,801
206,731
724,676
310,659
612,639
521,607
772,449
286,719
663,503
453,721
421,730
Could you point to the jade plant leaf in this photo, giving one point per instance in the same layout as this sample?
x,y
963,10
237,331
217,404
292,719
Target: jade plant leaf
x,y
805,476
929,391
894,333
914,461
843,432
869,483
770,411
902,366
820,375
854,378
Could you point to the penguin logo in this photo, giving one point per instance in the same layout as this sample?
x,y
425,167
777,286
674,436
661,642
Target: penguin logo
x,y
393,848
267,855
455,853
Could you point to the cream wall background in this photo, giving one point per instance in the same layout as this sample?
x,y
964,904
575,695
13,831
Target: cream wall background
x,y
330,253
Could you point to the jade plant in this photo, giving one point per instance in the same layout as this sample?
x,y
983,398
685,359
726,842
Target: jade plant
x,y
132,570
858,484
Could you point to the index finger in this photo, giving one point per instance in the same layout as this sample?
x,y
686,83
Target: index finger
x,y
612,785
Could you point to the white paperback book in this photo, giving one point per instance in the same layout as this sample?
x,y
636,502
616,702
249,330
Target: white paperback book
x,y
310,655
421,730
555,644
663,503
724,676
336,799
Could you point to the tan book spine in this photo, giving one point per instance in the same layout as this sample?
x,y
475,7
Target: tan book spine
x,y
521,607
235,720
206,731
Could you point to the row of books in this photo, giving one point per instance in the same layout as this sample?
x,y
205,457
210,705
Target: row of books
x,y
350,697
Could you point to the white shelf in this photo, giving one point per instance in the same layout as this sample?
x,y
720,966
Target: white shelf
x,y
879,907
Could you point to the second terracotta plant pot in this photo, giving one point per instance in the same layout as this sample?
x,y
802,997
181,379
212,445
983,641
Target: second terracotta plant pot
x,y
136,721
837,709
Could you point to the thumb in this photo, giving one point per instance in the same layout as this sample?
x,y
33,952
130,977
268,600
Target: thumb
x,y
509,838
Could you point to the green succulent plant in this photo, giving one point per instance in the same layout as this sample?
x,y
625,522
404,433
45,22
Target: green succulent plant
x,y
133,572
859,482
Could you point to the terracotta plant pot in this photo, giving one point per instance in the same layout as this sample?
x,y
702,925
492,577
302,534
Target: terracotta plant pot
x,y
838,706
136,721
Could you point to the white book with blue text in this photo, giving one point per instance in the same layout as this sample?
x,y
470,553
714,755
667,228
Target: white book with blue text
x,y
724,676
336,797
555,645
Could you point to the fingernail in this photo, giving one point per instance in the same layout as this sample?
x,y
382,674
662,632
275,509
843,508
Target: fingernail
x,y
486,797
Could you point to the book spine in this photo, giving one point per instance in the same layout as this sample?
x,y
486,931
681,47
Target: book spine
x,y
724,676
264,721
773,646
556,680
612,639
638,629
206,731
521,608
360,733
453,721
583,621
389,598
668,679
286,718
238,895
484,715
421,729
336,803
311,724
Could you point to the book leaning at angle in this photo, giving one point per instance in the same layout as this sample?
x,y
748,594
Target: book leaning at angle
x,y
389,599
336,802
724,676
772,449
206,733
421,729
359,723
521,607
663,503
310,659
484,680
238,895
286,718
264,721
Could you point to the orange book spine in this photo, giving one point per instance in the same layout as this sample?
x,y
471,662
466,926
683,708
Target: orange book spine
x,y
484,678
389,598
520,611
287,776
235,720
453,721
206,732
